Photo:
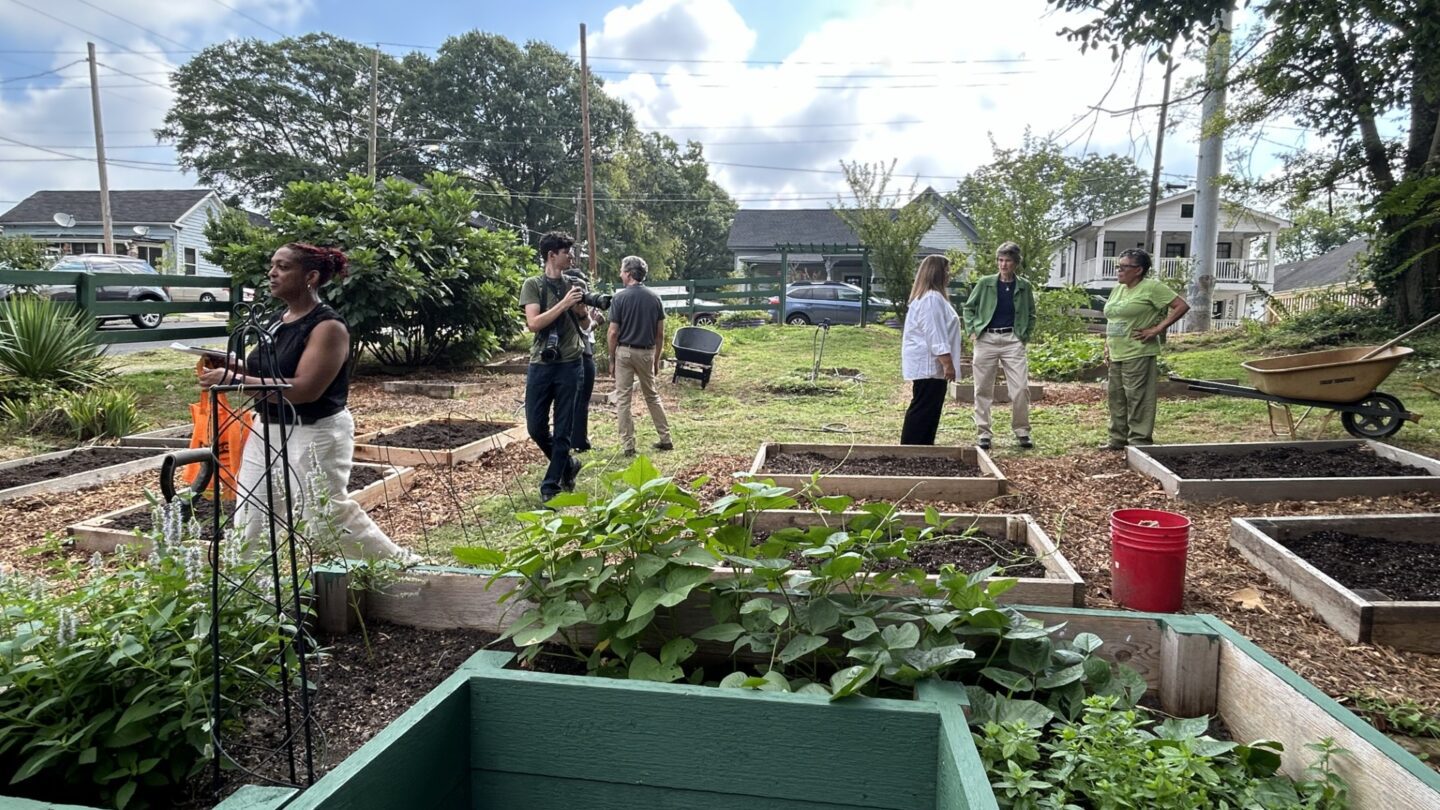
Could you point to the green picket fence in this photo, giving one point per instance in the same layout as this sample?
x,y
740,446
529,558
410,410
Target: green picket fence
x,y
87,286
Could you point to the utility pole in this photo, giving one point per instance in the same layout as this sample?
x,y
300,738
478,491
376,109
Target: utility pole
x,y
1150,241
105,223
1207,170
589,172
374,104
579,211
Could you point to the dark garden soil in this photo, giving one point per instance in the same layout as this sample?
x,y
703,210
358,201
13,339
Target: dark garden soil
x,y
90,458
1403,571
806,463
441,435
975,552
359,691
1289,462
360,477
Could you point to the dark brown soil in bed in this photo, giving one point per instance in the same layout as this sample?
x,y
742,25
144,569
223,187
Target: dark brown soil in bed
x,y
972,553
90,458
1288,462
1401,570
806,463
439,435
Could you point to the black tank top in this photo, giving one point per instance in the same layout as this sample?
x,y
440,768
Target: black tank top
x,y
283,360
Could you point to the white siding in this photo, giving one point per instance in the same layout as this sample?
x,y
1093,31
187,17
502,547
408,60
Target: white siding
x,y
946,236
192,235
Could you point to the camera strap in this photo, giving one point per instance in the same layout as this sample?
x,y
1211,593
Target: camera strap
x,y
545,293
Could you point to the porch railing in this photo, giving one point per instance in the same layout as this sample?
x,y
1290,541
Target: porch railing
x,y
1235,271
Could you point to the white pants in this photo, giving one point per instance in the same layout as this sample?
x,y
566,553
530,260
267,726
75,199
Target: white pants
x,y
332,440
993,353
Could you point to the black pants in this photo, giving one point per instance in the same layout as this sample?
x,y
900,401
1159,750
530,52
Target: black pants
x,y
580,431
552,386
922,418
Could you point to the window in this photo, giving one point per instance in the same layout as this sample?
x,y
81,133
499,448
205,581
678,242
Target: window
x,y
1174,250
1109,250
852,280
802,293
1218,310
1187,210
849,295
1222,250
823,294
154,254
189,261
71,266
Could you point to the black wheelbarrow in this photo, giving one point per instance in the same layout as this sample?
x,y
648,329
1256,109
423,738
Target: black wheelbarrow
x,y
695,350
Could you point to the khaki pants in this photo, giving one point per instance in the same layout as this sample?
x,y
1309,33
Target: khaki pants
x,y
633,365
993,353
1131,390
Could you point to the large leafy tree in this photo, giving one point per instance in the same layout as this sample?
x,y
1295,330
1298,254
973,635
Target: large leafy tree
x,y
889,222
251,117
509,118
1318,229
1364,74
424,286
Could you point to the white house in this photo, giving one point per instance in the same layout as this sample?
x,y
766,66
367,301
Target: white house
x,y
166,227
1245,252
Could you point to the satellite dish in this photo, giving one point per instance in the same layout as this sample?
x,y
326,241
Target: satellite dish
x,y
141,230
64,220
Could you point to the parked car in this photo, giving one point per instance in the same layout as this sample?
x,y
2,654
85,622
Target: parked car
x,y
143,289
206,294
700,317
815,301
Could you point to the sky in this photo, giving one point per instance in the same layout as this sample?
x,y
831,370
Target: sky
x,y
778,91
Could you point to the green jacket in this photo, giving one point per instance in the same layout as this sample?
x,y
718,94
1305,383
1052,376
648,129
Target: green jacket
x,y
980,306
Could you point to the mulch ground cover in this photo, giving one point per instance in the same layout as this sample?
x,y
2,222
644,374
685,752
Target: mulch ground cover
x,y
204,508
806,463
439,435
90,458
1401,570
1289,462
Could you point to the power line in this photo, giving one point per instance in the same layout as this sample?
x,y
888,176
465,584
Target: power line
x,y
134,76
998,60
258,22
45,73
46,14
152,33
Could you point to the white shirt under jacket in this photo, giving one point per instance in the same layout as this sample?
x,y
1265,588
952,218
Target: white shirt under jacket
x,y
931,329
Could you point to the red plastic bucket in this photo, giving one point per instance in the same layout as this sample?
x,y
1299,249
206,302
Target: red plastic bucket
x,y
1147,559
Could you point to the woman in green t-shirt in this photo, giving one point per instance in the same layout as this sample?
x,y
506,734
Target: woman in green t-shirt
x,y
1137,314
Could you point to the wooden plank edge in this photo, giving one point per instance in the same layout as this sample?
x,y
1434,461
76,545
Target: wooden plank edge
x,y
1256,546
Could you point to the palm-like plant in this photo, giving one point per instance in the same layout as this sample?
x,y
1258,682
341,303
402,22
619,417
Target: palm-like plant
x,y
49,343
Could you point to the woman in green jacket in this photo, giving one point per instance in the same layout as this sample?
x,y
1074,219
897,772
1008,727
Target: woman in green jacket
x,y
1138,312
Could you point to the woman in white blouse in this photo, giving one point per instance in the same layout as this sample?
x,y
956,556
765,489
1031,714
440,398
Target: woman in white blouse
x,y
929,349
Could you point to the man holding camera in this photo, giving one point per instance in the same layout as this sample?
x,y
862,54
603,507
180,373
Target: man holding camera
x,y
636,340
555,311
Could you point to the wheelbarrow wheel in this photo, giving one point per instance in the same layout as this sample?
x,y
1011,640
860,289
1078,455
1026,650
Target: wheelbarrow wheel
x,y
1375,427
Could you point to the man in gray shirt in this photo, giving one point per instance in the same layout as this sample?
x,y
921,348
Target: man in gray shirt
x,y
637,342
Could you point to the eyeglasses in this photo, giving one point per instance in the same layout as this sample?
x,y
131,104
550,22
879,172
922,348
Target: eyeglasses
x,y
1127,267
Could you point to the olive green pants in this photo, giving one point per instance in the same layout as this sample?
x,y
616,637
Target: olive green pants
x,y
1132,400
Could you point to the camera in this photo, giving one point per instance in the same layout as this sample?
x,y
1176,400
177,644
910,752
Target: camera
x,y
590,299
550,351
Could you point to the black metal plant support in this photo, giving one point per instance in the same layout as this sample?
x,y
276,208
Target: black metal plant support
x,y
263,578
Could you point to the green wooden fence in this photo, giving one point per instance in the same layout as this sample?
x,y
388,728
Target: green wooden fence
x,y
87,285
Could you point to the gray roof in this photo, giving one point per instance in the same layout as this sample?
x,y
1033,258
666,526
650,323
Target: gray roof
x,y
1334,267
756,228
153,207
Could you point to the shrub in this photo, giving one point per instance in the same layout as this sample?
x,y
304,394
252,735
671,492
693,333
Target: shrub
x,y
1332,326
1064,358
101,413
51,343
1057,313
106,673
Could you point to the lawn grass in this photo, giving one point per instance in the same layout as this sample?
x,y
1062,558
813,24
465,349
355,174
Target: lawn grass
x,y
738,410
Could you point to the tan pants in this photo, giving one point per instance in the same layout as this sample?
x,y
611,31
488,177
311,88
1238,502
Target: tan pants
x,y
632,365
994,352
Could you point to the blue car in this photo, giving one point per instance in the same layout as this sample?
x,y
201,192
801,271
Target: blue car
x,y
809,302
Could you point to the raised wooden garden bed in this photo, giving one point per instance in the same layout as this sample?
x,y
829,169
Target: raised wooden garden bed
x,y
1060,586
435,389
443,442
1365,548
1260,472
965,392
510,364
477,740
68,470
175,438
953,474
371,484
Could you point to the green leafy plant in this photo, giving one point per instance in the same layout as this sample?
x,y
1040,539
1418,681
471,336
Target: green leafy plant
x,y
1403,716
100,413
1057,313
1064,358
50,343
106,671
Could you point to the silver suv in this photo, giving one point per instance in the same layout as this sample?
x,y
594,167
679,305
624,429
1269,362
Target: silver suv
x,y
144,287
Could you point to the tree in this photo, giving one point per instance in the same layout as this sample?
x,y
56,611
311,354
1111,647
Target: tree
x,y
251,117
424,285
510,119
1319,229
22,253
1340,68
889,223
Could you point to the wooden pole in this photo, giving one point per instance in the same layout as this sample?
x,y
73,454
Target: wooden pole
x,y
374,106
1150,245
589,169
105,223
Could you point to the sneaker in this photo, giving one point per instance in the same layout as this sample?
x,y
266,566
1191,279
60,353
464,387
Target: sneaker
x,y
983,442
1112,447
571,473
581,448
1025,442
663,446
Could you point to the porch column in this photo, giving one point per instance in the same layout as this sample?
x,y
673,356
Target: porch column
x,y
1270,257
1100,254
1158,248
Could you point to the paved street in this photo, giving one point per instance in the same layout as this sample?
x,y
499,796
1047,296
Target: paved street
x,y
160,340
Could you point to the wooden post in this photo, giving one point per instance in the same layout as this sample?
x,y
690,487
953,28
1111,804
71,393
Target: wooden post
x,y
106,225
374,105
1159,150
589,170
784,275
